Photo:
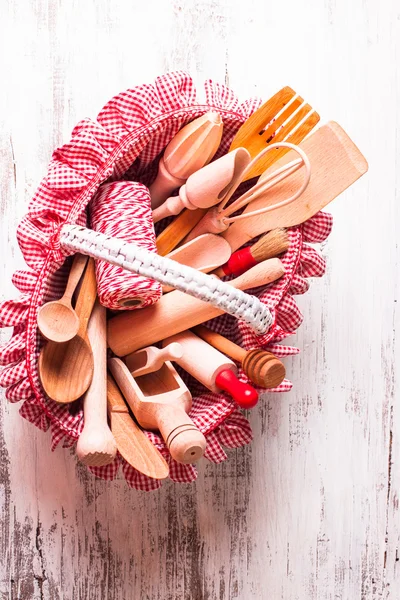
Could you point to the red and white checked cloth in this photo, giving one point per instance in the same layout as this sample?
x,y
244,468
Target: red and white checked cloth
x,y
123,143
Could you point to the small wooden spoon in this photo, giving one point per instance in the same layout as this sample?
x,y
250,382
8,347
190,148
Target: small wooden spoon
x,y
57,321
66,369
205,253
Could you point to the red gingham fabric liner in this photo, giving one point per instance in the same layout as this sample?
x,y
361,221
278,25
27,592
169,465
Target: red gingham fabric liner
x,y
124,143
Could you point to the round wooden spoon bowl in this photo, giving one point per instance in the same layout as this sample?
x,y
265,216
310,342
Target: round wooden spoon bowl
x,y
58,321
66,369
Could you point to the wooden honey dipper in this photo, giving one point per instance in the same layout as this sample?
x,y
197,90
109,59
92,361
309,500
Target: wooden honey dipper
x,y
261,367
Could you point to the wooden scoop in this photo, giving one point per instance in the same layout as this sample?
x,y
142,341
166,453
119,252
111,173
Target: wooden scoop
x,y
66,369
151,359
261,367
57,321
335,162
178,311
204,253
192,148
96,445
207,186
160,400
133,445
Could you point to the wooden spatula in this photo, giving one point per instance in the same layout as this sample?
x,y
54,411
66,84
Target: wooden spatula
x,y
132,443
285,117
336,163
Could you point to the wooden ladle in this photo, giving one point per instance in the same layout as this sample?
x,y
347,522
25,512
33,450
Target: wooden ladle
x,y
57,321
66,369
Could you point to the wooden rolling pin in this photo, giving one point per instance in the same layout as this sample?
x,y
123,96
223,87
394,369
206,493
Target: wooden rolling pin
x,y
161,400
177,311
96,445
261,367
213,369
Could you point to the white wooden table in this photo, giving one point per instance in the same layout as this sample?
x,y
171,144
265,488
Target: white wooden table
x,y
311,509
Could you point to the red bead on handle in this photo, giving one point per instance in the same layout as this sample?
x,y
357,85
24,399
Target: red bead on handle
x,y
243,393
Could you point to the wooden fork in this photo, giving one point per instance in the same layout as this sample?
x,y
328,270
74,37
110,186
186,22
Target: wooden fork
x,y
285,117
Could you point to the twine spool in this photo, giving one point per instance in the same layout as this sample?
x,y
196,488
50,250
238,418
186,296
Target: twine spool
x,y
123,209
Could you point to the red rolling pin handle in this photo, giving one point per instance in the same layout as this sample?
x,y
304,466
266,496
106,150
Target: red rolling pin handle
x,y
239,262
243,393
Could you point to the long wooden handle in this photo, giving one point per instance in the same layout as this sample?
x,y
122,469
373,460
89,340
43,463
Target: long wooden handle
x,y
220,342
77,268
86,297
176,231
96,445
115,400
176,312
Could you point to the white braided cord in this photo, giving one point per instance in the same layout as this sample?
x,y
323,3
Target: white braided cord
x,y
167,271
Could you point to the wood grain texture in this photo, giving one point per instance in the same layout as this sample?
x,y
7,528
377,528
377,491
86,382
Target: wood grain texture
x,y
309,511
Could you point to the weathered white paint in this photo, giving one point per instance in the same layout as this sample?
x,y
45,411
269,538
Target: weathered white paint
x,y
311,510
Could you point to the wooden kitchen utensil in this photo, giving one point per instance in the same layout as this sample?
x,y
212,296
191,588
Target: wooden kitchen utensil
x,y
285,117
272,244
177,230
192,148
57,320
207,186
213,369
160,400
178,311
133,445
219,218
204,253
335,162
96,445
261,367
151,359
66,369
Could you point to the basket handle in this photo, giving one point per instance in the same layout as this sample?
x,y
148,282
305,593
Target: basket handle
x,y
167,271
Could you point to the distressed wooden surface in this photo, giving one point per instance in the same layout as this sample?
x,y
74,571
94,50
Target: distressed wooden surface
x,y
311,509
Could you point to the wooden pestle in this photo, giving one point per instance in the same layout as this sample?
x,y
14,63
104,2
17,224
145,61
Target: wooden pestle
x,y
96,445
261,367
160,400
177,311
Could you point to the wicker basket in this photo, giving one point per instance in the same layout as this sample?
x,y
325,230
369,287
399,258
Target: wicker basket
x,y
125,142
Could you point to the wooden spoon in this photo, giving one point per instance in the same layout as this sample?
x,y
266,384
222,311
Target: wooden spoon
x,y
205,253
66,369
57,321
133,445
